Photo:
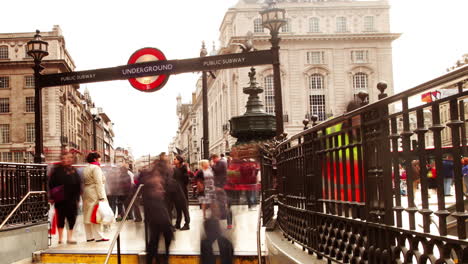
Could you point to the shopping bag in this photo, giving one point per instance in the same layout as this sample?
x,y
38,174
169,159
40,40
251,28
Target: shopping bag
x,y
53,225
94,219
57,194
105,214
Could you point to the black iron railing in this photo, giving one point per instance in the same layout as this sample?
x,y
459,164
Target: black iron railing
x,y
16,180
341,194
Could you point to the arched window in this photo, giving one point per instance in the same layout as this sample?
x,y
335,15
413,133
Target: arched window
x,y
269,94
317,96
369,23
258,27
286,27
360,81
341,24
314,25
316,82
3,52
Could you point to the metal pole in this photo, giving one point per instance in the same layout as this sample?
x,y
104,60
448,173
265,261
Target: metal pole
x,y
38,111
119,261
206,141
277,82
94,134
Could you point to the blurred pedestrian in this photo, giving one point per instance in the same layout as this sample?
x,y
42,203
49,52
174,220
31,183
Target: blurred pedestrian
x,y
416,175
65,191
447,173
206,178
135,214
112,187
182,179
219,167
432,178
155,208
465,174
94,191
213,233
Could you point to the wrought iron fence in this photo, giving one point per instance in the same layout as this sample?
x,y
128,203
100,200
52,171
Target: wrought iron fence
x,y
342,194
268,189
16,180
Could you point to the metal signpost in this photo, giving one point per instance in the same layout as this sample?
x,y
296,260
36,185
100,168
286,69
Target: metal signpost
x,y
160,67
148,71
149,83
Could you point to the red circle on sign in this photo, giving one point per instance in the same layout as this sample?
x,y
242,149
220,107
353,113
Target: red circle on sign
x,y
151,54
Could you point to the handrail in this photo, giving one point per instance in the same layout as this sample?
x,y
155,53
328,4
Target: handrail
x,y
18,205
259,246
119,228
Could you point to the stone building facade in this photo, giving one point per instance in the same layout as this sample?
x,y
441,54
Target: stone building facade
x,y
67,118
330,50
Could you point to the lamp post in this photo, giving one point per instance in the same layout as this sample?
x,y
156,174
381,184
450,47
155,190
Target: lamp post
x,y
206,142
94,114
37,49
273,18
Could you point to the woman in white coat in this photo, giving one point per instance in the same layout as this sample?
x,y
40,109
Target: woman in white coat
x,y
93,192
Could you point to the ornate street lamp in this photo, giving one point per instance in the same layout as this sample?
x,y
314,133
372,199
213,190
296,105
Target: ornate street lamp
x,y
38,49
206,142
273,18
96,119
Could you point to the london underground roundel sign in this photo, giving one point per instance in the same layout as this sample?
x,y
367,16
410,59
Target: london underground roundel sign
x,y
149,83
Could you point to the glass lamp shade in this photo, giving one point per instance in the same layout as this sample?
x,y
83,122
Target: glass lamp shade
x,y
37,48
273,18
94,111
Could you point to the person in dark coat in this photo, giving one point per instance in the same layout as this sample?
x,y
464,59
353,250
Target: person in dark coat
x,y
219,168
213,233
65,191
155,208
181,203
447,173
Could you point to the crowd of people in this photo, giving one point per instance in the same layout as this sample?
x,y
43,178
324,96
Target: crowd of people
x,y
446,172
165,189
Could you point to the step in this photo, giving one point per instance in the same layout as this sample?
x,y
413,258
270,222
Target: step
x,y
132,258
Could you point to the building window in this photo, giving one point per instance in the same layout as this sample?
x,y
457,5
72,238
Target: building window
x,y
4,82
286,27
360,56
317,105
4,105
30,104
315,57
7,157
341,25
258,27
3,52
29,81
316,82
369,23
18,157
317,96
314,25
4,133
269,95
360,81
30,132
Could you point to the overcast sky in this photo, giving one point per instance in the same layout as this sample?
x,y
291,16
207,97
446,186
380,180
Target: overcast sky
x,y
104,33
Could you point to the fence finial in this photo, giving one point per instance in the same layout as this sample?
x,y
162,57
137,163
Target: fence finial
x,y
306,123
382,86
314,119
363,95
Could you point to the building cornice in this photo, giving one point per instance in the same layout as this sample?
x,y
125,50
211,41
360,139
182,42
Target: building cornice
x,y
319,37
